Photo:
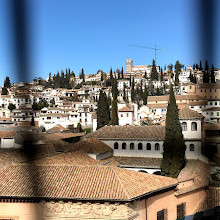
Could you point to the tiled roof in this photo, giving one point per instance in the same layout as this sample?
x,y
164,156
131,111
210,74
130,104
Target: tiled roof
x,y
126,109
73,158
146,162
79,182
91,145
57,128
178,97
187,113
196,170
154,132
195,103
213,109
7,134
208,86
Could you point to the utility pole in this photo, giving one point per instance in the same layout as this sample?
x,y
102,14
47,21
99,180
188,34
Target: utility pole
x,y
151,48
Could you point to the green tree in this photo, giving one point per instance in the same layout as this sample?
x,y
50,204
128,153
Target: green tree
x,y
122,73
7,83
82,75
103,112
161,74
114,107
52,102
170,69
154,73
11,107
212,75
132,91
32,123
174,145
145,95
200,65
4,91
178,68
79,128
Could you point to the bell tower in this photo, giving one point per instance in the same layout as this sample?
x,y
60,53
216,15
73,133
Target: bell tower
x,y
129,64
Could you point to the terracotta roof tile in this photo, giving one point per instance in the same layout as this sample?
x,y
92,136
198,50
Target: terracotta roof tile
x,y
78,182
91,145
187,113
154,132
7,134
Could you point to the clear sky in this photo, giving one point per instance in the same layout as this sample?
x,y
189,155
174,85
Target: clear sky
x,y
95,34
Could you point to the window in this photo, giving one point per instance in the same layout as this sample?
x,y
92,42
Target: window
x,y
131,146
122,115
181,210
157,146
126,114
184,126
211,113
148,146
194,126
217,113
124,146
191,147
162,215
116,145
140,146
215,103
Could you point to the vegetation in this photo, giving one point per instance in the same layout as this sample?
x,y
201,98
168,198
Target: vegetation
x,y
114,106
11,107
178,68
154,73
103,111
79,128
174,145
32,123
41,104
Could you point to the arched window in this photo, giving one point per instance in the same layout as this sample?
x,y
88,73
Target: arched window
x,y
124,146
140,146
157,173
116,145
184,126
131,146
148,146
191,147
194,126
157,146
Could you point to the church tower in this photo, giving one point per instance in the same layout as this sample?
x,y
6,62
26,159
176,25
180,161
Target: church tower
x,y
129,64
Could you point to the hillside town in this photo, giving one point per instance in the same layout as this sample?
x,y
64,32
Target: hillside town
x,y
92,146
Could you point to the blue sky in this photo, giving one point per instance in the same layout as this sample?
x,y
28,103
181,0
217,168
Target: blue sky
x,y
95,34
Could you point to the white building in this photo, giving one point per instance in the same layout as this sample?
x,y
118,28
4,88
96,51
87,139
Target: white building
x,y
147,141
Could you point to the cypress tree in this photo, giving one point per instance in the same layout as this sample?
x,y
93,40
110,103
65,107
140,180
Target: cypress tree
x,y
32,123
122,73
7,83
4,91
212,75
154,74
145,95
114,109
132,91
145,75
200,65
161,74
174,145
103,112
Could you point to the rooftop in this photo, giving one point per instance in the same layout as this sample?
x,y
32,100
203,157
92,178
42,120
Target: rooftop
x,y
79,182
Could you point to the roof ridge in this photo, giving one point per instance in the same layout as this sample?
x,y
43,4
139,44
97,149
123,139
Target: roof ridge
x,y
119,179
